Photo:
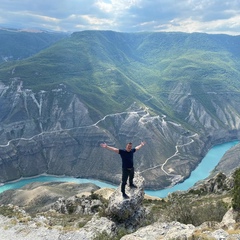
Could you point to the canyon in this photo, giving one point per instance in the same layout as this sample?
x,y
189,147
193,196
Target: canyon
x,y
56,111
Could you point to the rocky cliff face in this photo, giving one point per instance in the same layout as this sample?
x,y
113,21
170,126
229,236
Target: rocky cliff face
x,y
52,132
229,161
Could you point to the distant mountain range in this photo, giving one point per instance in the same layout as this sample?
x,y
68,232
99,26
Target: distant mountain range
x,y
64,94
16,44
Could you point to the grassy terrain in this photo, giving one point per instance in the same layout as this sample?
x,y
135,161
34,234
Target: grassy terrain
x,y
111,70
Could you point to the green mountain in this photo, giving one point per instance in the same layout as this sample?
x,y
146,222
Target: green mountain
x,y
111,70
177,91
17,45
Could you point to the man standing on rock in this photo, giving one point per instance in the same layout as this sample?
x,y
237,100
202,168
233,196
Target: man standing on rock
x,y
127,163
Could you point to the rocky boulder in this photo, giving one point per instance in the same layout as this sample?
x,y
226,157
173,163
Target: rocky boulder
x,y
127,210
230,219
120,213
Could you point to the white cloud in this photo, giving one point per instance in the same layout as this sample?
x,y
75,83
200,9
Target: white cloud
x,y
116,5
230,26
212,16
97,21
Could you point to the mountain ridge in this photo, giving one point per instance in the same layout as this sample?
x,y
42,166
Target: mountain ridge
x,y
20,44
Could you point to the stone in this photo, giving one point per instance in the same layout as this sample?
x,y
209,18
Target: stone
x,y
229,219
120,209
158,230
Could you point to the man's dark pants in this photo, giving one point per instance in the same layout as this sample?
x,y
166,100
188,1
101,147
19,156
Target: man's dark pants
x,y
127,173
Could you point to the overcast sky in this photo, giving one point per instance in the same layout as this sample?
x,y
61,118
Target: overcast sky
x,y
210,16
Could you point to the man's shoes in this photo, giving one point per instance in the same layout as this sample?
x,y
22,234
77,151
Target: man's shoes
x,y
125,196
133,186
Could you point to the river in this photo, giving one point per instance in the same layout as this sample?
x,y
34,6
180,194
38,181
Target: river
x,y
201,172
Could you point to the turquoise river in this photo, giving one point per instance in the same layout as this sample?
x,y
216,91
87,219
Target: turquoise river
x,y
201,172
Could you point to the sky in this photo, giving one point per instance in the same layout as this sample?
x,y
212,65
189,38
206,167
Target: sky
x,y
208,16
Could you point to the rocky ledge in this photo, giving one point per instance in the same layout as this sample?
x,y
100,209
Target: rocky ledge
x,y
109,218
127,210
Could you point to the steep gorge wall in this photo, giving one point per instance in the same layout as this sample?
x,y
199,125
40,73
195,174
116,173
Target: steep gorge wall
x,y
52,132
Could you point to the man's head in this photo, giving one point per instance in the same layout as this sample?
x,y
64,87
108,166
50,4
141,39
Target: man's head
x,y
129,147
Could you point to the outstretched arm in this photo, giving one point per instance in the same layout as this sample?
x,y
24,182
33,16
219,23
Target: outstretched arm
x,y
104,145
140,145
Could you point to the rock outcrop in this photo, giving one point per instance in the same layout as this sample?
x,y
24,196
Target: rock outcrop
x,y
27,228
121,215
121,209
129,213
219,183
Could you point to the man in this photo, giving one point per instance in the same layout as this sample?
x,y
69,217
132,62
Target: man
x,y
127,163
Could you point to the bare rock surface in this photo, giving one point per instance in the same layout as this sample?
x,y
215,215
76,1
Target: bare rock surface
x,y
121,209
173,230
